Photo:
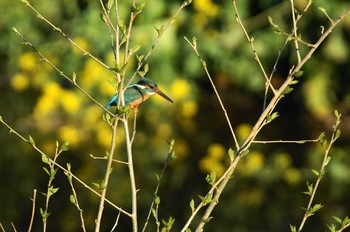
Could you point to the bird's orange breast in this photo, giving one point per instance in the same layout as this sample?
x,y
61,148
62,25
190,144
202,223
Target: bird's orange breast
x,y
137,102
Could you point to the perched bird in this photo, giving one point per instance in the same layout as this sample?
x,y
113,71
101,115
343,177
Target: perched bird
x,y
137,93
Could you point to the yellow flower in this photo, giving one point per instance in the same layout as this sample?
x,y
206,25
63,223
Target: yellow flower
x,y
94,74
292,176
69,133
243,130
282,160
206,7
70,102
181,148
27,61
252,164
214,160
19,82
179,90
216,151
81,43
189,109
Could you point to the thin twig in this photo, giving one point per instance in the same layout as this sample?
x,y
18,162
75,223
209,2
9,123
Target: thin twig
x,y
157,188
134,127
221,183
2,228
295,31
309,210
55,28
160,33
194,47
131,175
61,73
107,175
251,42
287,141
33,211
13,227
116,222
106,158
61,167
75,198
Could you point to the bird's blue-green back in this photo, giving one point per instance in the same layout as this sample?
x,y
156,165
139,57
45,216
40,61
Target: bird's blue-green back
x,y
131,94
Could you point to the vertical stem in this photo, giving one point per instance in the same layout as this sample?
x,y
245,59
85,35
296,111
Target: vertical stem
x,y
131,174
106,179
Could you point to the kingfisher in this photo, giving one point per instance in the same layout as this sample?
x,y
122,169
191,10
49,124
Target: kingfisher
x,y
137,93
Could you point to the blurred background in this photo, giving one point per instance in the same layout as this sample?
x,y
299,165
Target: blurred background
x,y
266,191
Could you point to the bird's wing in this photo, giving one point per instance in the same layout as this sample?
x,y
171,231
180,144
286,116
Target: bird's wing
x,y
131,94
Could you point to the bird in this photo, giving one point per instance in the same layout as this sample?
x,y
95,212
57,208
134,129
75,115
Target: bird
x,y
137,93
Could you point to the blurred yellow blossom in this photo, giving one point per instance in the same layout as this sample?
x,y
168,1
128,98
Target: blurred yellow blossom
x,y
189,109
70,133
206,7
243,130
252,163
164,130
214,159
49,100
181,148
179,90
216,150
292,176
282,160
92,114
70,101
104,134
94,74
81,42
19,82
253,196
28,61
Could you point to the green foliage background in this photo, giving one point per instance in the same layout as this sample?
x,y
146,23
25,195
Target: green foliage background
x,y
265,194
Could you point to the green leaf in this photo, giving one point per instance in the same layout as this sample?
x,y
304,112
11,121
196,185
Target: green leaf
x,y
299,73
74,78
187,2
202,198
110,4
192,205
211,178
315,172
271,117
171,156
207,219
134,49
157,200
64,147
337,134
338,219
31,141
154,213
47,171
231,154
292,228
315,208
332,228
287,90
321,137
45,159
52,190
274,26
72,199
171,143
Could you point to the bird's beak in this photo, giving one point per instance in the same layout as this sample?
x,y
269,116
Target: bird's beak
x,y
160,93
